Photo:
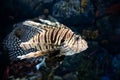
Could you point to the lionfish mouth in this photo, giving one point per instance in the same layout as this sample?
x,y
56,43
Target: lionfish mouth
x,y
84,45
81,46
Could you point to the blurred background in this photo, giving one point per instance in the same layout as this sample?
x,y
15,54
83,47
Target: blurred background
x,y
98,21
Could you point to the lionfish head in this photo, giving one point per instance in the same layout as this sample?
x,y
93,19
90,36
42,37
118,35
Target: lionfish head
x,y
78,44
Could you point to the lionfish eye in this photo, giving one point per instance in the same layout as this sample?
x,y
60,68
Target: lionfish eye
x,y
77,37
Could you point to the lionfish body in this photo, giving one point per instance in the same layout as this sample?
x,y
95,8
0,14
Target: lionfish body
x,y
54,38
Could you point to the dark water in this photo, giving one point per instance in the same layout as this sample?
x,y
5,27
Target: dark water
x,y
97,20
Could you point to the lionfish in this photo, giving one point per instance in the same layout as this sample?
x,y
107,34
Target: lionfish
x,y
49,38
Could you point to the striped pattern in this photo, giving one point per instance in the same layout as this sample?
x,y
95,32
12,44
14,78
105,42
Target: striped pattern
x,y
53,38
35,39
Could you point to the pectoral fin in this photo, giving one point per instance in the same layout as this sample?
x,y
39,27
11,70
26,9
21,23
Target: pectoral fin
x,y
33,54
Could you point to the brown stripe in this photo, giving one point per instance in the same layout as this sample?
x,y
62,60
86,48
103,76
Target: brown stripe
x,y
55,34
50,39
39,38
64,36
45,37
52,35
39,47
46,46
74,42
39,41
67,35
33,39
24,47
49,36
30,46
42,49
71,34
43,40
71,41
71,37
59,34
54,31
35,47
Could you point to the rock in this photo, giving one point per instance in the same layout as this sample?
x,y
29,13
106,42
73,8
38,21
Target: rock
x,y
116,62
102,6
70,76
68,10
104,25
26,8
57,78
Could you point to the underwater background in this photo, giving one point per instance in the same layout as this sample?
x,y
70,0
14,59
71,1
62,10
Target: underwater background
x,y
98,21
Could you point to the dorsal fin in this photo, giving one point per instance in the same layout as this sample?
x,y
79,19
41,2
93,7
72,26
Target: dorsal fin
x,y
44,24
52,24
